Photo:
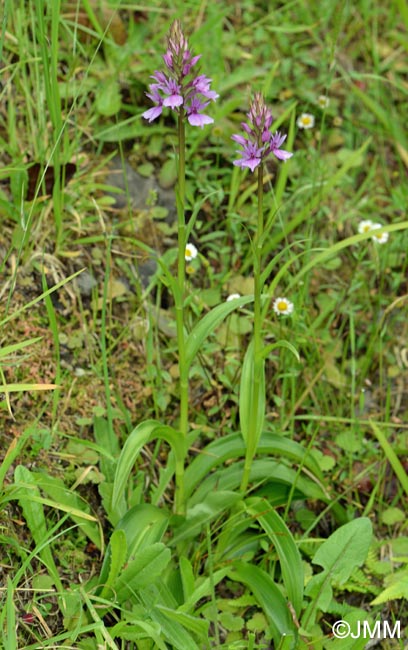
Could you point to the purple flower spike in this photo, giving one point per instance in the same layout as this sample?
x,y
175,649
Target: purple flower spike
x,y
176,89
259,141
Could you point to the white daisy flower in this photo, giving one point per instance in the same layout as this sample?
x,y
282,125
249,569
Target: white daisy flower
x,y
323,101
365,226
282,306
190,253
381,237
233,296
306,121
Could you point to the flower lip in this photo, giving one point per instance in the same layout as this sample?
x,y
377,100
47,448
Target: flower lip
x,y
282,306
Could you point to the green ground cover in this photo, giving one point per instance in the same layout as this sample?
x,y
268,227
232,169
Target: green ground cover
x,y
145,503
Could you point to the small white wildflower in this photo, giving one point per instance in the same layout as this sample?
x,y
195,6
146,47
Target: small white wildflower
x,y
381,237
282,307
306,121
190,253
233,296
365,226
323,101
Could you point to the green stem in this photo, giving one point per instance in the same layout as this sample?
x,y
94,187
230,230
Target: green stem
x,y
258,361
179,299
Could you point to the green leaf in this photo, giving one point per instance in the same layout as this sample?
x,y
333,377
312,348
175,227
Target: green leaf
x,y
288,553
265,470
339,555
391,456
172,631
232,446
197,625
204,589
208,324
140,436
269,598
204,512
142,526
149,565
281,344
137,631
246,399
187,577
16,347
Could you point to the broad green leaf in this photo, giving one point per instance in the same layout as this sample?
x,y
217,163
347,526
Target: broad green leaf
x,y
288,553
140,436
208,324
263,471
246,402
142,525
339,555
232,446
143,570
269,597
187,577
204,512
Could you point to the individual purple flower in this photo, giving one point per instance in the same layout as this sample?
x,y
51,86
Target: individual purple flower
x,y
259,141
176,90
275,144
251,153
155,96
194,116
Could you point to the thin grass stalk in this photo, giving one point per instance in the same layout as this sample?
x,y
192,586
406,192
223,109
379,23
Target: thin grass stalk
x,y
257,369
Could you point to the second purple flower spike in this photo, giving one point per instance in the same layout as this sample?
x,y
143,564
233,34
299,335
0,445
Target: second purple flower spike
x,y
178,89
258,141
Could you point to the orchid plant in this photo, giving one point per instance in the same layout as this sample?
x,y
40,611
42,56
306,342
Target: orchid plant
x,y
257,144
187,95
